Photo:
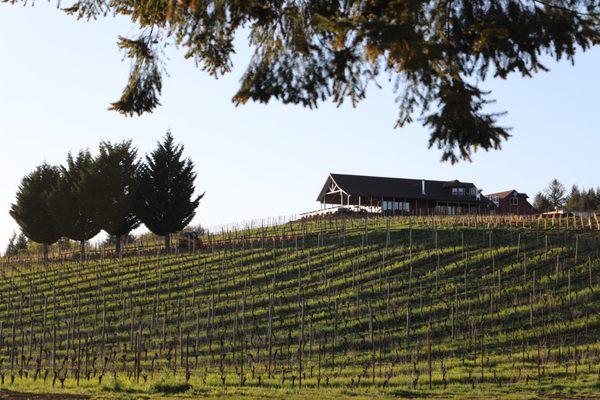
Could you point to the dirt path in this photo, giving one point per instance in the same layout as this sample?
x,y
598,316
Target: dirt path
x,y
6,395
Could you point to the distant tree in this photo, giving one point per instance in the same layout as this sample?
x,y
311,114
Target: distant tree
x,y
435,52
10,247
17,244
21,244
33,210
65,244
165,200
115,171
75,204
591,200
583,200
111,240
574,200
555,193
541,203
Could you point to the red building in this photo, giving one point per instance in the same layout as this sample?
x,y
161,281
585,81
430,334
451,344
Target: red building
x,y
511,202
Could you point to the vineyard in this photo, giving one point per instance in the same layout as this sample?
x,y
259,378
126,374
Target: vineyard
x,y
340,307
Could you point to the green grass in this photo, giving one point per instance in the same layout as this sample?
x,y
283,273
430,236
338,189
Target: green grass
x,y
507,313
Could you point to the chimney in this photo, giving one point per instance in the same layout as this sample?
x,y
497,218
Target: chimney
x,y
423,187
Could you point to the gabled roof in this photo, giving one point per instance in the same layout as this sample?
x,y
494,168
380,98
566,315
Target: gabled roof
x,y
505,194
376,186
457,183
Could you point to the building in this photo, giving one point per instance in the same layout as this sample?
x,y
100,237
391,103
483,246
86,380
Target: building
x,y
402,196
558,213
511,202
563,212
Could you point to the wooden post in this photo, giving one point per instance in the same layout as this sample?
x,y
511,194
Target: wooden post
x,y
301,342
429,358
372,336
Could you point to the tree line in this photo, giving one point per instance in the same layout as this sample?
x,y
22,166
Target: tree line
x,y
555,197
113,191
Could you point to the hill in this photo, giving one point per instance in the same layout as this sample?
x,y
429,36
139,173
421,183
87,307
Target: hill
x,y
398,307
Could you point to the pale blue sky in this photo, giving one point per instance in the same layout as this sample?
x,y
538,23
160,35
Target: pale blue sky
x,y
58,76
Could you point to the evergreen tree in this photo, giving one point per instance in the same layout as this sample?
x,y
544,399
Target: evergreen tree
x,y
591,200
75,204
575,200
17,244
33,210
22,244
115,171
111,240
541,203
10,247
306,52
555,193
165,200
583,200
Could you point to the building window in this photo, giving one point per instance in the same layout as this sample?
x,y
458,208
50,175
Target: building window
x,y
473,191
458,191
396,206
514,201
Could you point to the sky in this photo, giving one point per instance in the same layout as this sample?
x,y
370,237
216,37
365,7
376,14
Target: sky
x,y
59,75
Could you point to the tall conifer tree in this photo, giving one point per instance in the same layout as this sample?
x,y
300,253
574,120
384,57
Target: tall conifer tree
x,y
115,171
165,200
556,194
75,204
32,209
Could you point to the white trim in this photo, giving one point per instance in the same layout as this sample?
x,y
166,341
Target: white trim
x,y
338,186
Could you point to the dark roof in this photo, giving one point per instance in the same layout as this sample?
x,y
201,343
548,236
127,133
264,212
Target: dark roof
x,y
376,186
457,183
505,194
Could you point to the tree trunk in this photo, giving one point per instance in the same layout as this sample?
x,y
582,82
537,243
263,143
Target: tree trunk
x,y
118,246
82,250
45,250
168,243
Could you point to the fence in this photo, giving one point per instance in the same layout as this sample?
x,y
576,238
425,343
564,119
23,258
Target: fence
x,y
277,229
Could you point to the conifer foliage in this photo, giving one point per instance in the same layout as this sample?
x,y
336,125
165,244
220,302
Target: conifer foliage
x,y
115,171
16,245
32,209
165,189
435,52
112,191
75,204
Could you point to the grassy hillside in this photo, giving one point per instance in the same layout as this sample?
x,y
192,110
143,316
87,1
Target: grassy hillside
x,y
380,307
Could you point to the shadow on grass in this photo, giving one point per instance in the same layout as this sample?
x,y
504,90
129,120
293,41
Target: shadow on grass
x,y
407,394
170,388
